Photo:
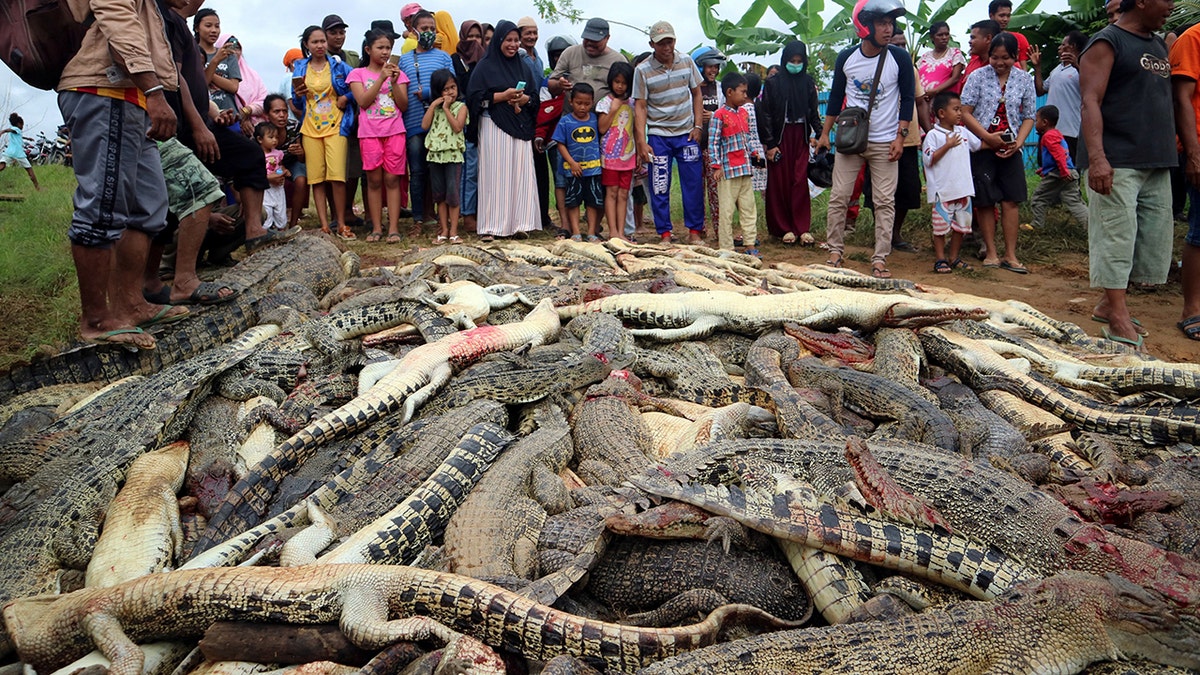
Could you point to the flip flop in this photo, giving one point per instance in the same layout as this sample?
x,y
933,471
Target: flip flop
x,y
881,272
209,293
1136,344
836,263
1190,327
1019,269
164,317
272,237
161,297
789,238
374,237
107,338
1140,328
393,238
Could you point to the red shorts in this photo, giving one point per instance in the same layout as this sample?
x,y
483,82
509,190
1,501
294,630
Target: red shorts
x,y
616,178
387,151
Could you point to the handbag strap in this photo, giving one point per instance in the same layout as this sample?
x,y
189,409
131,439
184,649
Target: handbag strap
x,y
875,84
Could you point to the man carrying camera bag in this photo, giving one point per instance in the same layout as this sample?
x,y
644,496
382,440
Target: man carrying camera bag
x,y
876,83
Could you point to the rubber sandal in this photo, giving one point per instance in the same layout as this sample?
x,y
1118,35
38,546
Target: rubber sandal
x,y
487,239
163,296
836,263
942,266
346,234
393,238
1018,269
1136,344
107,339
738,242
807,239
960,264
271,237
904,246
577,237
881,272
1133,319
209,293
1190,327
593,238
455,240
753,251
374,237
164,316
789,238
440,240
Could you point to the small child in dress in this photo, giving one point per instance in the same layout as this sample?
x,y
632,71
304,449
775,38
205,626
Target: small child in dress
x,y
947,155
1060,180
619,160
579,146
444,120
275,197
732,151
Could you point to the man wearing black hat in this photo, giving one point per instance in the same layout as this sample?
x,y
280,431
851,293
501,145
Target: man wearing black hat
x,y
386,26
588,62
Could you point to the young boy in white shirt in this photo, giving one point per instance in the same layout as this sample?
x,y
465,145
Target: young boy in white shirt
x,y
947,154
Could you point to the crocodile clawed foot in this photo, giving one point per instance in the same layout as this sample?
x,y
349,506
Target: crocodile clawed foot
x,y
727,531
882,492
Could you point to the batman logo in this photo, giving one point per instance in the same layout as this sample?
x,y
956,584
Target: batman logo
x,y
584,135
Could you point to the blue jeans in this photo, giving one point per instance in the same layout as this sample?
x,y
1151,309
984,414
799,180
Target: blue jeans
x,y
416,174
666,150
470,179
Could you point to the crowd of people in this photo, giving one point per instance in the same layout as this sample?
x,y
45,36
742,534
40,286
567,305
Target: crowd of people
x,y
479,123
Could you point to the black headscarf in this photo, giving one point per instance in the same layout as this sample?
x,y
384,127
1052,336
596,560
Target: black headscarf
x,y
788,97
496,72
793,89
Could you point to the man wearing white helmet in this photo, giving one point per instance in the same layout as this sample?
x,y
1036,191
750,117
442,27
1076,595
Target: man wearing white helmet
x,y
890,115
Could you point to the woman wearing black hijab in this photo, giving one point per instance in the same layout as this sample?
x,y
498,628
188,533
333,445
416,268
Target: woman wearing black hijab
x,y
504,118
790,119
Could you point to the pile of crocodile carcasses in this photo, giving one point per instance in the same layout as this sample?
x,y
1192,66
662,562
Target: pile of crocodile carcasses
x,y
573,457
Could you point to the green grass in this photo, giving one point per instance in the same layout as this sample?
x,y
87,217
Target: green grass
x,y
37,276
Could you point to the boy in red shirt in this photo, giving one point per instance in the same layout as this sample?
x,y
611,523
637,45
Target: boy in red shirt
x,y
733,149
1060,180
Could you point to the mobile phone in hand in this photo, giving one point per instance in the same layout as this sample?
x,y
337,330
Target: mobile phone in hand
x,y
521,85
1008,136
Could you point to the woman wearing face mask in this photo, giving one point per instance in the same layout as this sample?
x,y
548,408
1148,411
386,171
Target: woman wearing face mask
x,y
790,120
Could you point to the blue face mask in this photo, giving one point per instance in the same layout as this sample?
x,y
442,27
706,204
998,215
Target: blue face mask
x,y
795,68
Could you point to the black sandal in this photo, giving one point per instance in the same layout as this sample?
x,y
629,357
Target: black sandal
x,y
942,266
960,264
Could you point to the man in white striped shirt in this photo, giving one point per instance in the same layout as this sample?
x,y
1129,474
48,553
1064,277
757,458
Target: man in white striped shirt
x,y
667,112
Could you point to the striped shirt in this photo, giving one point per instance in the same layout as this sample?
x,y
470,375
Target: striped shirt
x,y
668,94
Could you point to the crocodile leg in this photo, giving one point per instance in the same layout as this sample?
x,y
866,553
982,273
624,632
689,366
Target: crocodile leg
x,y
302,549
700,328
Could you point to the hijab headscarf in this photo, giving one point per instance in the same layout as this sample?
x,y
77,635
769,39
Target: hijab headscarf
x,y
470,51
251,92
791,92
497,72
445,30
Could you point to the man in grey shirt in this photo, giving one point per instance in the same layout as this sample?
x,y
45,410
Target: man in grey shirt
x,y
588,62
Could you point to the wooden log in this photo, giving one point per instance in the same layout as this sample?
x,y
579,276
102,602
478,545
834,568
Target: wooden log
x,y
11,198
280,643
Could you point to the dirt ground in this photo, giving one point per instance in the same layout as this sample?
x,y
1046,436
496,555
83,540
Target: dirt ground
x,y
1060,290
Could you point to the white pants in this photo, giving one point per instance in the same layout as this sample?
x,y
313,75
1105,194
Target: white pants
x,y
275,206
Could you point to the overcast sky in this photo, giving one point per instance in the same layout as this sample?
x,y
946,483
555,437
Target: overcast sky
x,y
268,29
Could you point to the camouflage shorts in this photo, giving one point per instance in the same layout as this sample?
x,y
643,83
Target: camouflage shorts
x,y
190,186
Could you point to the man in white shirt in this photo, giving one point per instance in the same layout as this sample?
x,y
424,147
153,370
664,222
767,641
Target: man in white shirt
x,y
890,115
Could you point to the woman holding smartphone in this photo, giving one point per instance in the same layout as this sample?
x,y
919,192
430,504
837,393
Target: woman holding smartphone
x,y
221,68
503,113
321,94
998,105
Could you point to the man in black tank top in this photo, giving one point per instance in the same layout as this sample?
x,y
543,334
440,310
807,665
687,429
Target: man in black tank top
x,y
1125,80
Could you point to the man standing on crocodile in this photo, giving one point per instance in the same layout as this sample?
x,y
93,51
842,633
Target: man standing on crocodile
x,y
111,95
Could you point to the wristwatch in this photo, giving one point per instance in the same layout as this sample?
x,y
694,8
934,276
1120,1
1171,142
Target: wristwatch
x,y
904,132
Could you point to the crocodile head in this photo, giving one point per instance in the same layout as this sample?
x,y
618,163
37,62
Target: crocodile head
x,y
916,313
1143,623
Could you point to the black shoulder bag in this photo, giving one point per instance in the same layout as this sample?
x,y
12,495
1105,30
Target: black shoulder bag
x,y
853,123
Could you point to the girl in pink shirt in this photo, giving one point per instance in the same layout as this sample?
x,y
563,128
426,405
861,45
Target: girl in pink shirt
x,y
381,133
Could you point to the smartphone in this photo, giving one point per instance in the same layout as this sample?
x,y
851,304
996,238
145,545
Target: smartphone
x,y
1008,136
394,59
232,41
521,85
296,82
